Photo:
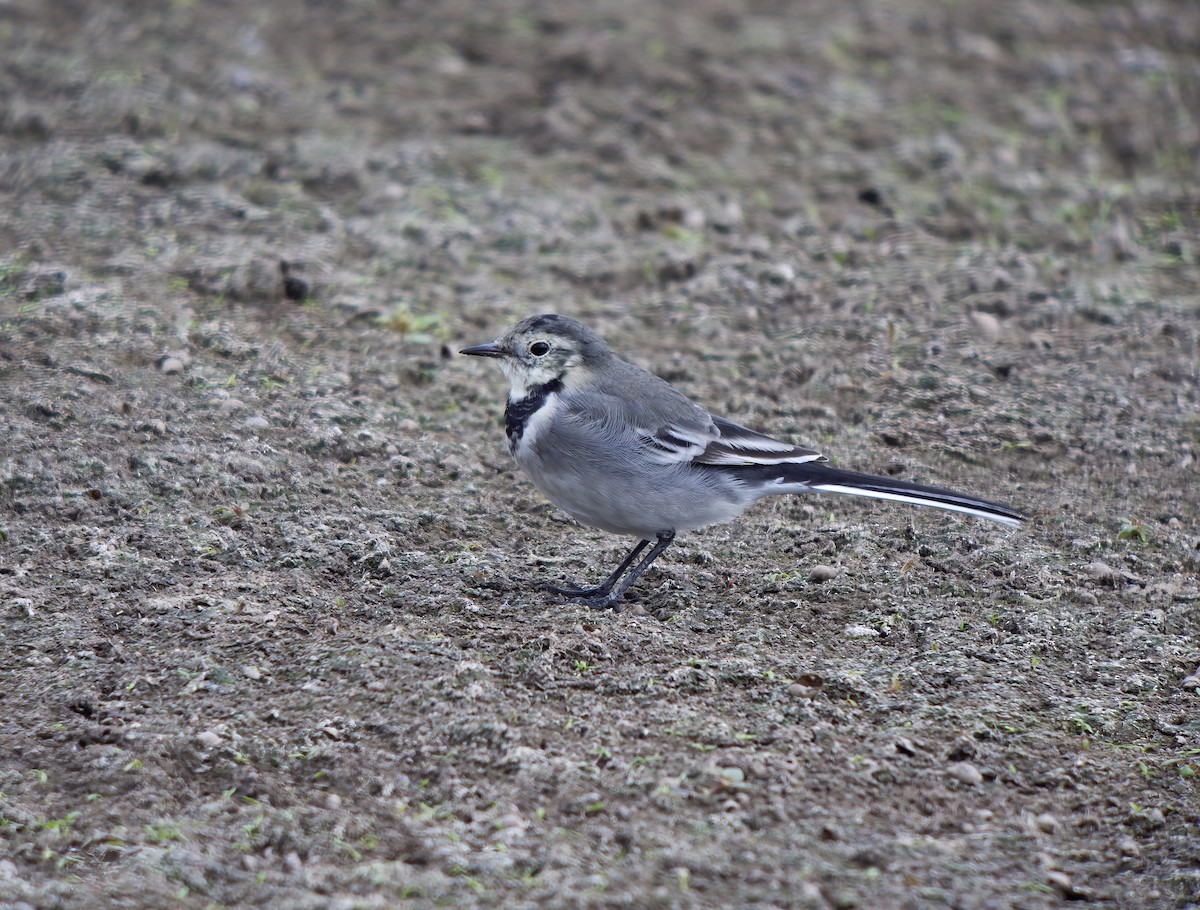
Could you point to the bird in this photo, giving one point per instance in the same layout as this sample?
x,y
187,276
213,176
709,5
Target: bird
x,y
622,450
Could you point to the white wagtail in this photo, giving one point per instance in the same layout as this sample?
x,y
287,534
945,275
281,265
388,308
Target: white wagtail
x,y
619,449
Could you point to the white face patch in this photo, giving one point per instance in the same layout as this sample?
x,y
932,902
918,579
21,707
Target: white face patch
x,y
526,376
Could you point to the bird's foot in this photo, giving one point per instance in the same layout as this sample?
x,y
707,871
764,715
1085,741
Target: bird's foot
x,y
598,598
604,602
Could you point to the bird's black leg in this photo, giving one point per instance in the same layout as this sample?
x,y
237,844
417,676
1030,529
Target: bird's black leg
x,y
574,591
604,596
614,599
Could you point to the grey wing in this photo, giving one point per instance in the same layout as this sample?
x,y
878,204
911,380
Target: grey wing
x,y
640,410
650,417
737,445
716,441
665,430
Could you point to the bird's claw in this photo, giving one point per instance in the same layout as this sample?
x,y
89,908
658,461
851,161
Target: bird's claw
x,y
599,598
607,602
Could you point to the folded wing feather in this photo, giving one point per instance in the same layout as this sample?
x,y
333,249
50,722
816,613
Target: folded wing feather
x,y
721,442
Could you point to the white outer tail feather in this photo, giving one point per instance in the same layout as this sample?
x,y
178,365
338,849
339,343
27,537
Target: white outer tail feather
x,y
914,500
783,485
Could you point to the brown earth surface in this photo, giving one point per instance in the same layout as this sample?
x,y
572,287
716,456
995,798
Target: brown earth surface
x,y
269,636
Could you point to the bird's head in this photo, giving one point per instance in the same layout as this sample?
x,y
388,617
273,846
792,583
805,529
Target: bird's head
x,y
543,349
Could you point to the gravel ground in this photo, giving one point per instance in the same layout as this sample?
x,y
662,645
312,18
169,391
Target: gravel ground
x,y
269,632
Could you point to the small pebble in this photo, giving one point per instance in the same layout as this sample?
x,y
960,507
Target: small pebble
x,y
1059,881
965,772
252,672
1128,846
729,215
257,422
1046,822
988,325
208,739
860,632
408,425
812,895
781,273
830,832
822,573
229,405
732,775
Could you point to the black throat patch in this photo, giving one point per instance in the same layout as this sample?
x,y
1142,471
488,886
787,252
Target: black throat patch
x,y
518,413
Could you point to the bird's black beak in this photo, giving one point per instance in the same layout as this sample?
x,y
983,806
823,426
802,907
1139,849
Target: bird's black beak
x,y
491,349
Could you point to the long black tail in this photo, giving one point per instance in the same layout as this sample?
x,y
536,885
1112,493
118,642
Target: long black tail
x,y
822,478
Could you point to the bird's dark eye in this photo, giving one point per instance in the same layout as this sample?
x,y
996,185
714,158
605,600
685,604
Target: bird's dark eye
x,y
539,348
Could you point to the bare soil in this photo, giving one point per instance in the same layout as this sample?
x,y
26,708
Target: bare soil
x,y
269,636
